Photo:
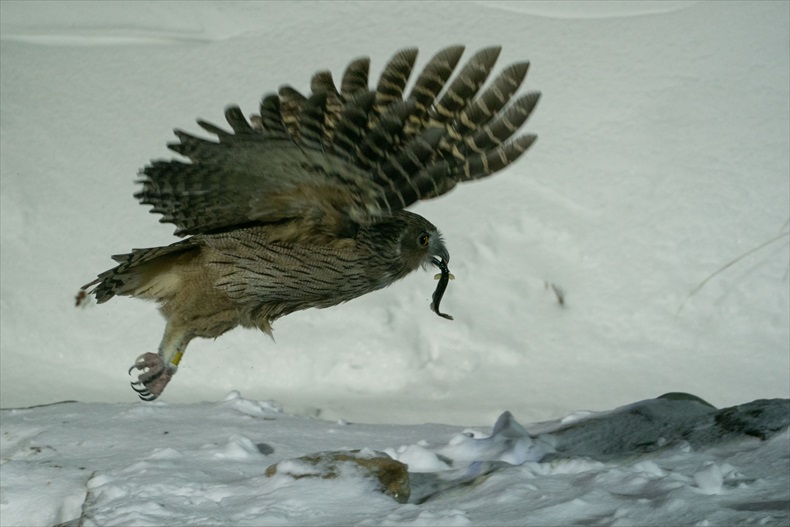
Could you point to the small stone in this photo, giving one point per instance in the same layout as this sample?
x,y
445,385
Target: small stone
x,y
391,475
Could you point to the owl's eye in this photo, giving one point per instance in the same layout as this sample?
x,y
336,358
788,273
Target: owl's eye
x,y
424,239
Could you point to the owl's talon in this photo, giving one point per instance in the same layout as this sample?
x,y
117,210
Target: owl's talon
x,y
144,394
153,377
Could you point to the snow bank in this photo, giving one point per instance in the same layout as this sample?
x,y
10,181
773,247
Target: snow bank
x,y
243,462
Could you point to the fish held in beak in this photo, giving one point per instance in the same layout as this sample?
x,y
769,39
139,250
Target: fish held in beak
x,y
444,278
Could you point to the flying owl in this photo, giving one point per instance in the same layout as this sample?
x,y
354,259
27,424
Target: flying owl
x,y
304,204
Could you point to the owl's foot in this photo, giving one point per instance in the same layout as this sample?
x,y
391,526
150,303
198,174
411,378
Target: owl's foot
x,y
154,376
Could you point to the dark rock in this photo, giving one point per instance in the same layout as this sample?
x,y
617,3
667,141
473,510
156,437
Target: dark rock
x,y
762,418
656,424
265,448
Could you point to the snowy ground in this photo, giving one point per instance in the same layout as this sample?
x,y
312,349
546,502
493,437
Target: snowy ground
x,y
94,464
663,155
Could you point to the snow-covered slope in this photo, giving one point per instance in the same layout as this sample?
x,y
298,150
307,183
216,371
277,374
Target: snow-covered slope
x,y
667,461
662,156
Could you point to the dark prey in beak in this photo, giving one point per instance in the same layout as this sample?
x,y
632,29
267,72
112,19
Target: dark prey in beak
x,y
444,279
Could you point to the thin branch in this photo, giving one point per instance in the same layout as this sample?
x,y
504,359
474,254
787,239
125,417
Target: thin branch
x,y
728,265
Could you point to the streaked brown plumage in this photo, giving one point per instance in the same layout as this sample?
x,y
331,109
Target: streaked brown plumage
x,y
303,205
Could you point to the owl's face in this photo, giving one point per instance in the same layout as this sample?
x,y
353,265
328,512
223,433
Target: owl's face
x,y
421,243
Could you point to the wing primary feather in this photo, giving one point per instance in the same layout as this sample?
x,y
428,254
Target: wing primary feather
x,y
416,154
237,121
435,180
291,102
492,100
413,174
355,78
380,142
352,125
434,76
493,160
311,123
190,146
214,129
322,83
465,85
504,125
394,78
271,118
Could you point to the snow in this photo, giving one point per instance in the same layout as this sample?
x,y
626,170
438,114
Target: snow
x,y
663,156
203,463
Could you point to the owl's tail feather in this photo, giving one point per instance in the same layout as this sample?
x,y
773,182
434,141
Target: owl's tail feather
x,y
144,273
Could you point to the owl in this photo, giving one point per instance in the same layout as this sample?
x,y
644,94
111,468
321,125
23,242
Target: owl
x,y
304,204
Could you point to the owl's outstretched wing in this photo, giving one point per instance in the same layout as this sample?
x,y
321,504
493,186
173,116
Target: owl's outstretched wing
x,y
349,156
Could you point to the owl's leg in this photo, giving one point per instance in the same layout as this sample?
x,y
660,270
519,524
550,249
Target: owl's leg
x,y
156,369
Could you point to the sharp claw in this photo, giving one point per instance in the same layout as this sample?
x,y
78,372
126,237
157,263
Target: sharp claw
x,y
152,376
143,393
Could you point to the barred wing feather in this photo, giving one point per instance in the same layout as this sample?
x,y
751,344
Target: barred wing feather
x,y
338,158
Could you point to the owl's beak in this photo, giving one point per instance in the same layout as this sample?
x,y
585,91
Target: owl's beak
x,y
438,249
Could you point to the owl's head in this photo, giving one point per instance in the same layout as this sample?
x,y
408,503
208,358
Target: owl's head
x,y
420,242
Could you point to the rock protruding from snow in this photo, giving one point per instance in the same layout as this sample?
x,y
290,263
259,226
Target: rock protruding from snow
x,y
391,476
656,424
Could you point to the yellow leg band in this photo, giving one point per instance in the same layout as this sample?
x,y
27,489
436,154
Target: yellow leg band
x,y
177,358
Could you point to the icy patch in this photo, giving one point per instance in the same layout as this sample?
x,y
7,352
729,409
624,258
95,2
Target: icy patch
x,y
709,479
508,442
